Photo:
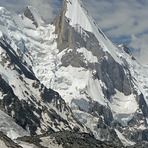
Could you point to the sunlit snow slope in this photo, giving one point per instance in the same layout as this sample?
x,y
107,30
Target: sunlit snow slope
x,y
33,107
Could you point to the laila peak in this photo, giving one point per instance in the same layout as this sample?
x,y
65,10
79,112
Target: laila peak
x,y
66,84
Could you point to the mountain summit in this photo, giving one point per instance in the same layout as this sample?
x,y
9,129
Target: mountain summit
x,y
53,75
105,79
31,13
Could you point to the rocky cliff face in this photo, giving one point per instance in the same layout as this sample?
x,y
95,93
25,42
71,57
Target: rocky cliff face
x,y
29,15
34,107
115,76
6,142
32,14
107,69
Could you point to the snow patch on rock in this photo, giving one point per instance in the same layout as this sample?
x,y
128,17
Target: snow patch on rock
x,y
2,144
49,142
88,56
125,141
10,128
38,18
122,104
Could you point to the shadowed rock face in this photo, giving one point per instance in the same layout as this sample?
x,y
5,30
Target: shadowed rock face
x,y
108,70
29,15
8,142
16,60
24,110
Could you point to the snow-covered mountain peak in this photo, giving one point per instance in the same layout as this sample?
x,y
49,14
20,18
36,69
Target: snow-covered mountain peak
x,y
1,9
79,18
92,69
32,13
77,15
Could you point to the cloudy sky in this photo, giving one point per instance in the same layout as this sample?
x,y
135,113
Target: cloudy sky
x,y
121,20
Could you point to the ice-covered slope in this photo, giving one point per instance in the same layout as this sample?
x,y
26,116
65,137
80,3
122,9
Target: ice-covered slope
x,y
79,17
19,86
32,106
10,128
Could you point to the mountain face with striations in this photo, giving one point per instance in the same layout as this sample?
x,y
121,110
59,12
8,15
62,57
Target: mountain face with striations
x,y
68,76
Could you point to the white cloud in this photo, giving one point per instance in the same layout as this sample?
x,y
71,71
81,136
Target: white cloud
x,y
140,44
120,19
47,8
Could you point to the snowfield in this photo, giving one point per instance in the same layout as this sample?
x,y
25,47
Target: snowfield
x,y
2,144
10,128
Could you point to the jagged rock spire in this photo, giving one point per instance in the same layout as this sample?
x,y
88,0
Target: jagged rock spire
x,y
31,13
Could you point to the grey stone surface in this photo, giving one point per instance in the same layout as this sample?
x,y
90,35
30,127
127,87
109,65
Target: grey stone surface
x,y
71,139
8,142
29,15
